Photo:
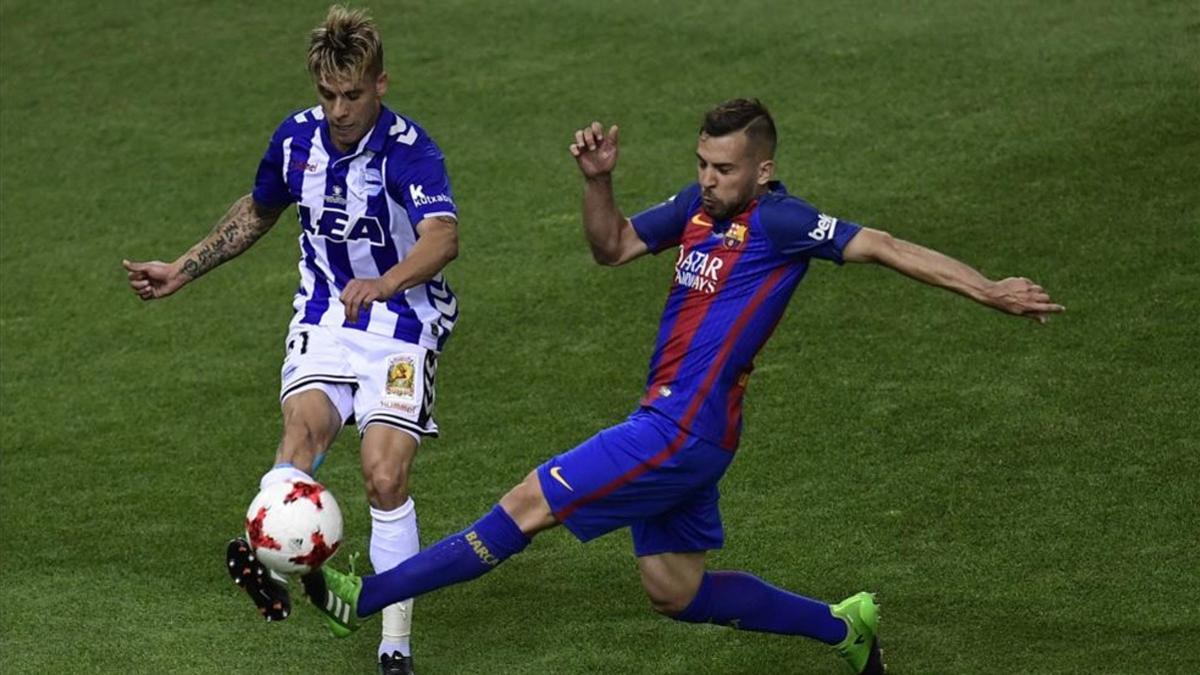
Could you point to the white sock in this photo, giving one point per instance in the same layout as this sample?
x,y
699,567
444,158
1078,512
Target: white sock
x,y
394,540
282,472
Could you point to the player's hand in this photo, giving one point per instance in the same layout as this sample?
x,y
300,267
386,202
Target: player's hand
x,y
360,293
1020,296
154,279
595,151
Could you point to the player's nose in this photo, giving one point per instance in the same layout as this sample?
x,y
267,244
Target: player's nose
x,y
339,110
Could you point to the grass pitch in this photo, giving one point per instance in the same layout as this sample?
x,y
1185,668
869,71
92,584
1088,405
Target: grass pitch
x,y
1023,499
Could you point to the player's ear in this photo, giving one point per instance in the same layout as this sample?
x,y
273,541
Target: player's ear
x,y
381,84
766,171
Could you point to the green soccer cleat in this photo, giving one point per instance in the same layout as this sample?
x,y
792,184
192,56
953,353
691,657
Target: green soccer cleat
x,y
861,646
336,596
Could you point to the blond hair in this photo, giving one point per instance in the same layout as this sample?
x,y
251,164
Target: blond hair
x,y
345,46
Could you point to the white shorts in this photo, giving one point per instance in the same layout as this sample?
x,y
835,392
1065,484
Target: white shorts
x,y
371,379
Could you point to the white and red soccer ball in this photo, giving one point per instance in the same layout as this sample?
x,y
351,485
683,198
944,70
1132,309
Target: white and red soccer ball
x,y
294,526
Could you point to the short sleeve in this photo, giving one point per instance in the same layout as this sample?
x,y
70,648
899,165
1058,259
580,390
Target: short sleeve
x,y
424,185
661,226
796,228
270,189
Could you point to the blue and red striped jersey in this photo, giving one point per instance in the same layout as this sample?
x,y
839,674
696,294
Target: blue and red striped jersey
x,y
733,279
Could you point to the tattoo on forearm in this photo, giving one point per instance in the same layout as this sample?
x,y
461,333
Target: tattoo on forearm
x,y
241,226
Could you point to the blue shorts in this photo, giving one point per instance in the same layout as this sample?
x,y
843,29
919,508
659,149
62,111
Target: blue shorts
x,y
645,473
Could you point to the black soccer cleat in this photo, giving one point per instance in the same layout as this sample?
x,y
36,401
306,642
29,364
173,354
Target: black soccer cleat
x,y
269,596
875,664
395,664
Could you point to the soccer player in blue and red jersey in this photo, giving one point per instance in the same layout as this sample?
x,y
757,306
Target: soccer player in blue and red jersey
x,y
377,224
743,246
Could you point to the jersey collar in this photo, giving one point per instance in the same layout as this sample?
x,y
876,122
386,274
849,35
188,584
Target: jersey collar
x,y
376,141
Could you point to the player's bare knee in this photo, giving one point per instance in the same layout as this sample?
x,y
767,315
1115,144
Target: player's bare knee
x,y
523,498
671,581
668,604
387,460
386,489
310,421
527,506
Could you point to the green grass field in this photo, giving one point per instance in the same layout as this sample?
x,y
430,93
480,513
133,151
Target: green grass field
x,y
1023,499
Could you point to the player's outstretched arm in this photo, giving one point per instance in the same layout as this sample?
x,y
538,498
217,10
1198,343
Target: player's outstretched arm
x,y
437,245
1014,295
241,226
609,233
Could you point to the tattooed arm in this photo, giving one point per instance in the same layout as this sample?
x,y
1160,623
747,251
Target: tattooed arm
x,y
242,225
237,231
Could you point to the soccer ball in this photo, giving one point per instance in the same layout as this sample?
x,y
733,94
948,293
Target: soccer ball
x,y
294,526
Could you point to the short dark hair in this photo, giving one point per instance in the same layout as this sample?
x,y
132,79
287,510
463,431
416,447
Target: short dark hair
x,y
742,113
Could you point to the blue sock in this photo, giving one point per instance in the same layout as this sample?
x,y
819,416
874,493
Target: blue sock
x,y
317,462
460,557
744,601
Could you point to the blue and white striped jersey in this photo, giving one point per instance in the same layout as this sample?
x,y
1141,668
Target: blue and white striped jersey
x,y
358,214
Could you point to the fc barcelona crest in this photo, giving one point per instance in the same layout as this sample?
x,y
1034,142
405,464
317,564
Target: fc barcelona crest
x,y
735,236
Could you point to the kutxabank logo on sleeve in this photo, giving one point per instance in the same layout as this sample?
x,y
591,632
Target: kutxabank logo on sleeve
x,y
419,198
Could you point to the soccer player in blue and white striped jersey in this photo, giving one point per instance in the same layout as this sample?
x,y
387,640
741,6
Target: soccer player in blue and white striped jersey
x,y
377,224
